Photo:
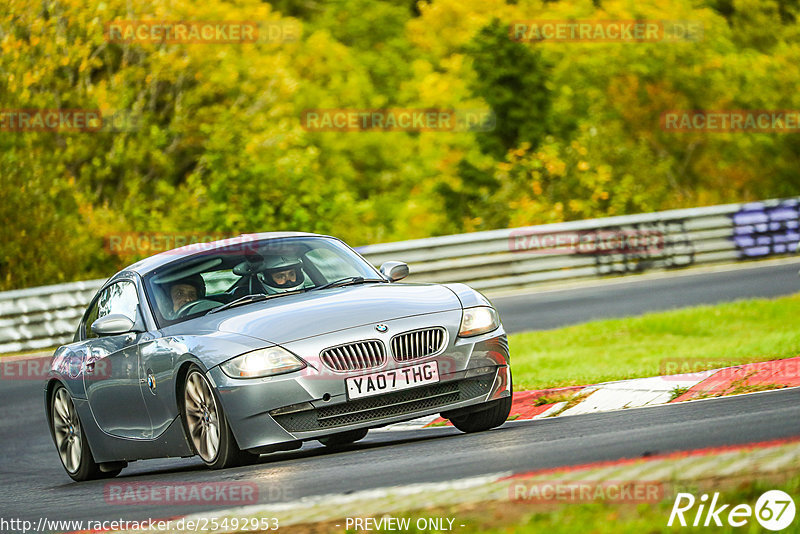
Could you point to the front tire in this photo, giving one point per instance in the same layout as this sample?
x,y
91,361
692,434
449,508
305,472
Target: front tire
x,y
206,427
70,440
488,418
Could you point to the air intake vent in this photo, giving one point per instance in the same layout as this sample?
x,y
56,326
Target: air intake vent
x,y
418,344
354,356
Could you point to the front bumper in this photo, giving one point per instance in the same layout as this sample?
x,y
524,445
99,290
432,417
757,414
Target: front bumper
x,y
312,403
381,410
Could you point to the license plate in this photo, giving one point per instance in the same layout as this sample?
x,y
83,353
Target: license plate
x,y
394,380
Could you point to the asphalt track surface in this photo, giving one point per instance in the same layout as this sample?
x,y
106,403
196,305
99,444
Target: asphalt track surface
x,y
34,485
638,295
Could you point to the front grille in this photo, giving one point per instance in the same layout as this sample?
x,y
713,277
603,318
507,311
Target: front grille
x,y
418,344
354,356
388,405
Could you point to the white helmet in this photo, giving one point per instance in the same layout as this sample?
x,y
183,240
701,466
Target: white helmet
x,y
282,273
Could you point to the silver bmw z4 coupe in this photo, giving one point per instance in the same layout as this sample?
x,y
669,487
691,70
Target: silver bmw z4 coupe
x,y
255,344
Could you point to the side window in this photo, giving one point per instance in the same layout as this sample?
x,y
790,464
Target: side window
x,y
118,298
329,263
90,318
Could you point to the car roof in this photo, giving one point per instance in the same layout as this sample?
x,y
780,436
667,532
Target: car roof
x,y
152,263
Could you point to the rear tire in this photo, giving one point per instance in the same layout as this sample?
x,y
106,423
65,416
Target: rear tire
x,y
207,429
343,438
485,419
70,440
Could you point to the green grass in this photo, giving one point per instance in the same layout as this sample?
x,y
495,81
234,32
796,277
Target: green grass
x,y
603,517
616,349
596,516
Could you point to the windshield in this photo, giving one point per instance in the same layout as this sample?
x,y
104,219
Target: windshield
x,y
195,285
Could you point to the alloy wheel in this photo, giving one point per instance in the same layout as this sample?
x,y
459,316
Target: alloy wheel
x,y
202,416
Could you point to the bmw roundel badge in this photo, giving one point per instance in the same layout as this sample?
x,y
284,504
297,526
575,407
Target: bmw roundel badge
x,y
381,328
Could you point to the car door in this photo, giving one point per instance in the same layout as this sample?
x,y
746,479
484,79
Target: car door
x,y
113,373
157,389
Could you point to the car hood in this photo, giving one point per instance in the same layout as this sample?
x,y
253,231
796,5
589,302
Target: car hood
x,y
292,317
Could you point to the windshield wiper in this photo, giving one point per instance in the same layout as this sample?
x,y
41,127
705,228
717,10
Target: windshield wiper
x,y
253,297
258,297
247,299
350,280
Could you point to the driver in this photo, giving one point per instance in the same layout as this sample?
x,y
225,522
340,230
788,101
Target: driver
x,y
186,290
283,273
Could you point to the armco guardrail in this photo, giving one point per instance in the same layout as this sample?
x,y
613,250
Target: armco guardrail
x,y
522,257
42,317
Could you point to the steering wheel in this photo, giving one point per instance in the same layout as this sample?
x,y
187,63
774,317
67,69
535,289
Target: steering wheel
x,y
186,307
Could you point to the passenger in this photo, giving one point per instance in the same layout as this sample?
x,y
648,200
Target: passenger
x,y
283,273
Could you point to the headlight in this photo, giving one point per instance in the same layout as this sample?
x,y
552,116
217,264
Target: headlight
x,y
262,362
478,320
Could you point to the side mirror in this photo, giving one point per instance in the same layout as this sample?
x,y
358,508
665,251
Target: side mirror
x,y
394,270
112,324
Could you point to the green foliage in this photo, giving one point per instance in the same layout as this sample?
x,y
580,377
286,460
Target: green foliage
x,y
214,141
510,78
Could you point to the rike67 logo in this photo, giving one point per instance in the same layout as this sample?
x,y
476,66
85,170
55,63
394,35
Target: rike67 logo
x,y
774,510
